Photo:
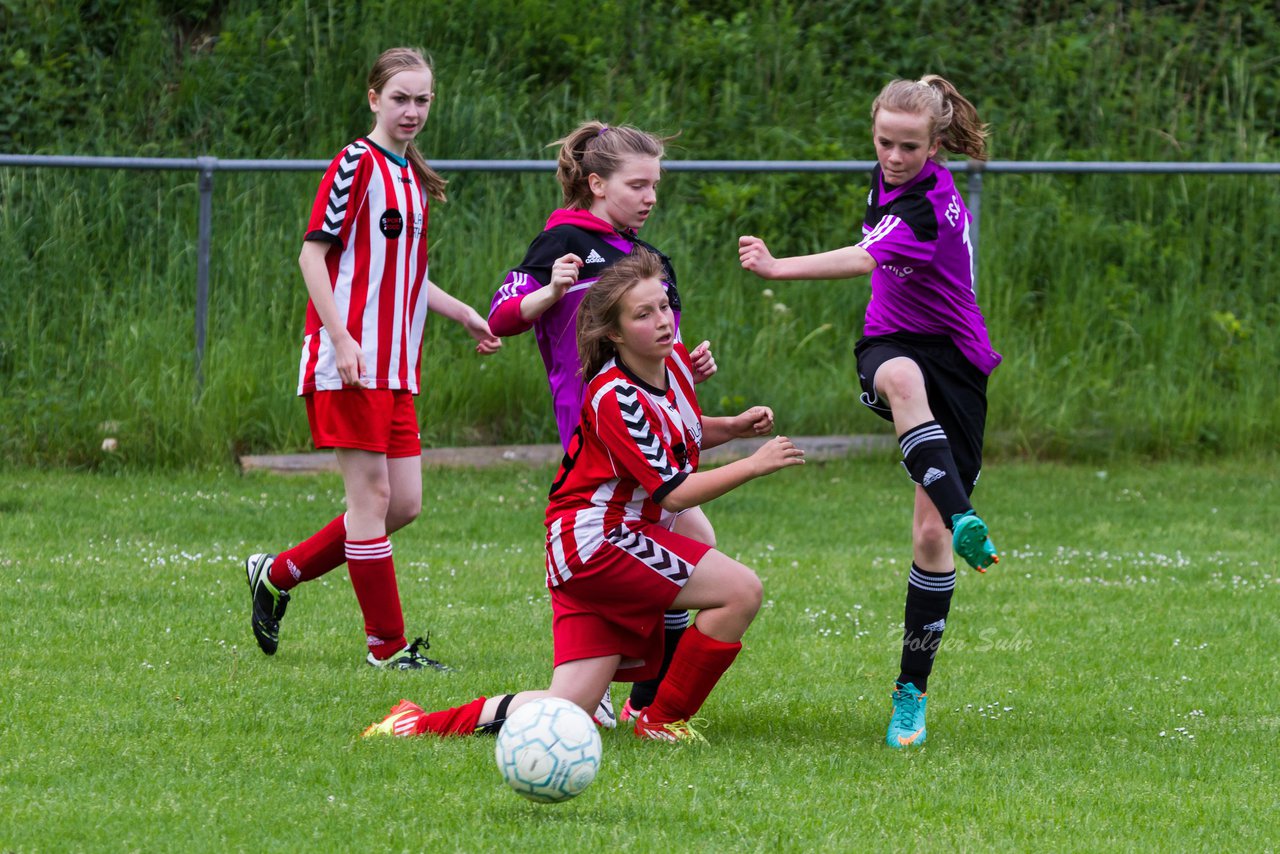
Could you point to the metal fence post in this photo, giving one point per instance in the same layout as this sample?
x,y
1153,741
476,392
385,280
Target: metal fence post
x,y
204,241
975,212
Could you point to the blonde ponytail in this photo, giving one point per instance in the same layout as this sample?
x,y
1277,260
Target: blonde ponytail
x,y
953,120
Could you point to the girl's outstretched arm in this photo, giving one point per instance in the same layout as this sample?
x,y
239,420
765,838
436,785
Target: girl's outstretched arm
x,y
702,486
846,262
756,421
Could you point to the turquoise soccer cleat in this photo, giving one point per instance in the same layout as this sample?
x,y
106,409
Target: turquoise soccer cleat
x,y
906,727
970,540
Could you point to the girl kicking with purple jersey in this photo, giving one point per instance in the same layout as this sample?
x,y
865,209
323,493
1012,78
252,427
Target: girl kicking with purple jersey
x,y
925,356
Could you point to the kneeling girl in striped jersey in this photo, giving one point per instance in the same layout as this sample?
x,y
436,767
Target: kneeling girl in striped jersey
x,y
614,564
609,177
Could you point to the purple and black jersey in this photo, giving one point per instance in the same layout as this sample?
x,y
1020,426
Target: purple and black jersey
x,y
918,235
599,245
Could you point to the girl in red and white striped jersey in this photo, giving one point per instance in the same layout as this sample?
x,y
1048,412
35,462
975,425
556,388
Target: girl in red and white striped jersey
x,y
609,176
614,564
364,262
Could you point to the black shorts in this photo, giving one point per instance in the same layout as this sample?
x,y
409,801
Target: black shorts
x,y
956,389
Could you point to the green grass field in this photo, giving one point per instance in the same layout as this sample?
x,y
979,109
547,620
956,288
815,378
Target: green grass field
x,y
1106,687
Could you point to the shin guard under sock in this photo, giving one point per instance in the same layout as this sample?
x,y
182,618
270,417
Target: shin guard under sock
x,y
642,693
697,666
373,575
460,720
323,551
926,454
925,617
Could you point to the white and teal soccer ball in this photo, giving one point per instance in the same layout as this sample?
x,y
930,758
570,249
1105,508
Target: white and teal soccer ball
x,y
548,750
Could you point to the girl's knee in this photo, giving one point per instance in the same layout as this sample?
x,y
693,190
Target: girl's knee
x,y
748,592
899,379
371,496
402,512
932,536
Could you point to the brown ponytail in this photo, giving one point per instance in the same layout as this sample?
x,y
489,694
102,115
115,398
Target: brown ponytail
x,y
389,64
596,148
953,120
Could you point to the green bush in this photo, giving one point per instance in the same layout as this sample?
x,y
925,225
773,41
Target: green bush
x,y
1137,314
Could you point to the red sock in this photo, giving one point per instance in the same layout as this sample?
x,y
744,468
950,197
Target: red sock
x,y
697,666
460,720
324,550
373,575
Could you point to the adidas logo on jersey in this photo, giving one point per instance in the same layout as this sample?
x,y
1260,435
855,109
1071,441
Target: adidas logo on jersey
x,y
931,475
936,627
594,257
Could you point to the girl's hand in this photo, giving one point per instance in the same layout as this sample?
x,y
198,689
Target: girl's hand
x,y
756,421
564,273
704,364
349,358
755,256
476,326
777,453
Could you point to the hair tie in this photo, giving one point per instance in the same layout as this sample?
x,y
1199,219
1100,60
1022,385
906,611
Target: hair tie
x,y
602,131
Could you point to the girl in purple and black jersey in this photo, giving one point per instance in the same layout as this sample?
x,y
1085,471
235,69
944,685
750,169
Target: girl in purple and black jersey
x,y
925,355
610,177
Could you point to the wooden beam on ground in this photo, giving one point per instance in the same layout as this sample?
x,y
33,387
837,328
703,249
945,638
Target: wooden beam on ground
x,y
483,456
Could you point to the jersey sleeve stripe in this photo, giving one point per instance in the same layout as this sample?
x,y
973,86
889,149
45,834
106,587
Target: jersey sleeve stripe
x,y
340,194
636,421
880,232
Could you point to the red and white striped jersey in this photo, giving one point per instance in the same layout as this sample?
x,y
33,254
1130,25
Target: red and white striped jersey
x,y
373,210
634,445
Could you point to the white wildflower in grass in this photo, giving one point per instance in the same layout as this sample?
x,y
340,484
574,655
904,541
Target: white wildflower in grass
x,y
806,701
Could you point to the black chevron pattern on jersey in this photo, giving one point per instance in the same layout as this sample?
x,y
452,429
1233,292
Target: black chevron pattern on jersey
x,y
652,555
638,426
341,192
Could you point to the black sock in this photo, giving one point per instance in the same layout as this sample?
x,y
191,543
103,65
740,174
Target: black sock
x,y
642,693
926,453
499,717
928,602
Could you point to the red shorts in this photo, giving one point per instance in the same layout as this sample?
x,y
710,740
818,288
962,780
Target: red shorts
x,y
367,419
614,604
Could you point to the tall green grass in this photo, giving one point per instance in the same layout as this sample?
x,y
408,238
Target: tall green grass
x,y
1137,314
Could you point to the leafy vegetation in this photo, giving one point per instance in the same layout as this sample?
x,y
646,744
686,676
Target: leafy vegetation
x,y
1137,314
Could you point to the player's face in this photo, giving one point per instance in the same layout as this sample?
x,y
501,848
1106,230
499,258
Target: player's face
x,y
625,198
646,325
903,145
400,109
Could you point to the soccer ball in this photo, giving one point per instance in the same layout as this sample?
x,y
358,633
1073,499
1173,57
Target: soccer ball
x,y
548,750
